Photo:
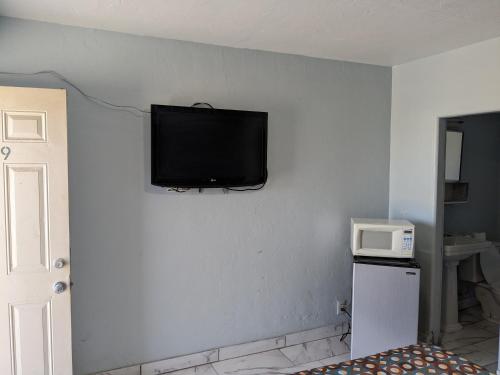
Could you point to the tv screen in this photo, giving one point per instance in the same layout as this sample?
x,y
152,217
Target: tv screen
x,y
203,147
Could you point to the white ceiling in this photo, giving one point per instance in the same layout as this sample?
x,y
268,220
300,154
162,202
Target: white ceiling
x,y
383,32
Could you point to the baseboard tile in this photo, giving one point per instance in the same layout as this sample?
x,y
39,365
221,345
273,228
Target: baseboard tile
x,y
315,350
179,363
241,350
132,370
313,334
197,370
233,351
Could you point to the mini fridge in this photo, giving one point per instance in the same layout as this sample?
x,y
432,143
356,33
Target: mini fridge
x,y
384,304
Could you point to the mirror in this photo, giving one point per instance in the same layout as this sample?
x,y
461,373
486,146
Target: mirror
x,y
453,155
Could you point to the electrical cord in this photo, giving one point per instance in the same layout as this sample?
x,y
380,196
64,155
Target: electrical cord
x,y
179,190
249,189
246,189
105,103
345,334
202,103
184,190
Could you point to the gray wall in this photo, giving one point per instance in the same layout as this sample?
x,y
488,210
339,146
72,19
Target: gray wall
x,y
481,169
159,274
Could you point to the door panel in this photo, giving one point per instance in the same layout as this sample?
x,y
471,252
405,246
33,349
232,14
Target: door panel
x,y
24,126
35,321
31,338
26,217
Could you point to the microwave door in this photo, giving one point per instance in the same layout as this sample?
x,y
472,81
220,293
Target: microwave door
x,y
376,240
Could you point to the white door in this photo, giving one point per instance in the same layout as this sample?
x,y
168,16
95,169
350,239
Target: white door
x,y
35,316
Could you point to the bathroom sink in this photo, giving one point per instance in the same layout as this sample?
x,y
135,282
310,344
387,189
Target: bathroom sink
x,y
457,248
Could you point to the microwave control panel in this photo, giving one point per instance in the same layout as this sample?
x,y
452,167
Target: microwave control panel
x,y
408,240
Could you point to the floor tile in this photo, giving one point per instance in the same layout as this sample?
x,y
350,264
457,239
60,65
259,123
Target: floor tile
x,y
467,336
489,326
493,367
485,324
471,315
477,342
336,359
315,350
251,348
467,320
490,345
254,364
294,369
198,370
476,355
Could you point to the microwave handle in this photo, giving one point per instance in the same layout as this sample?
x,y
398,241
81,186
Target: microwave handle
x,y
356,239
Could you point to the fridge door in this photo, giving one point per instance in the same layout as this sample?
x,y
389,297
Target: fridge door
x,y
384,308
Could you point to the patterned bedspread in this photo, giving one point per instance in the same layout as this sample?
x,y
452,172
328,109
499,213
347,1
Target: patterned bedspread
x,y
414,359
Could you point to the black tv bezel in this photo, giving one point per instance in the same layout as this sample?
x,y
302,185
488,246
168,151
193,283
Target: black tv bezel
x,y
193,184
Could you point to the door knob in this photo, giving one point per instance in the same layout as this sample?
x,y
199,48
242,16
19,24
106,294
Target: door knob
x,y
59,287
59,263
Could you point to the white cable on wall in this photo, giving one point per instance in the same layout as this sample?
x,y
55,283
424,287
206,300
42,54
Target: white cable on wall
x,y
117,107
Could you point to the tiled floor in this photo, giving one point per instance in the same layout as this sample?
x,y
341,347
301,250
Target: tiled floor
x,y
286,354
279,361
477,341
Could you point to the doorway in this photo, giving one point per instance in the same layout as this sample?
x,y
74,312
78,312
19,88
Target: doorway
x,y
467,226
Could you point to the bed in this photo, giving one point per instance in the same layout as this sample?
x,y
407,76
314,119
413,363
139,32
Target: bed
x,y
414,359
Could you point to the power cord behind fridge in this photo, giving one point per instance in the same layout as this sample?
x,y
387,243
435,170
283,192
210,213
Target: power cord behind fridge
x,y
344,336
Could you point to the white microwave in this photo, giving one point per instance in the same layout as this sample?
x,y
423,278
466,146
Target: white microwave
x,y
382,238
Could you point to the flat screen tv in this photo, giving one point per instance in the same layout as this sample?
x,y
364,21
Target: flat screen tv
x,y
203,147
